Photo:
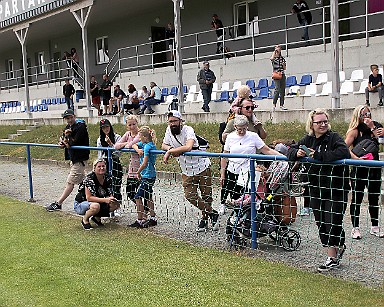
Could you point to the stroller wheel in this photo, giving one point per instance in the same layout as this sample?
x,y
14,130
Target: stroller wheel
x,y
290,240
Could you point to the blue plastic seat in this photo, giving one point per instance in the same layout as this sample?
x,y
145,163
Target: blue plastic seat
x,y
185,89
263,83
291,81
305,80
53,100
234,95
40,108
264,93
174,90
48,101
251,84
272,86
44,107
164,91
224,96
62,100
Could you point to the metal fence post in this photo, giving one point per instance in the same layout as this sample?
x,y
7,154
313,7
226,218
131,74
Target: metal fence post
x,y
253,204
28,148
109,162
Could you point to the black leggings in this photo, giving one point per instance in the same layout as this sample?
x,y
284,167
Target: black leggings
x,y
329,216
230,187
362,177
132,186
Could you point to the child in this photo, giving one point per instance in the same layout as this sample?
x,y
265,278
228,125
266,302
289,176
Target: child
x,y
147,176
375,84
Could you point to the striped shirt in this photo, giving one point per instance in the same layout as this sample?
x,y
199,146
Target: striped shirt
x,y
278,64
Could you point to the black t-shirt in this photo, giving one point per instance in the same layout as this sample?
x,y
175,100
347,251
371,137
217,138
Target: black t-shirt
x,y
68,90
95,92
218,25
375,80
104,86
119,92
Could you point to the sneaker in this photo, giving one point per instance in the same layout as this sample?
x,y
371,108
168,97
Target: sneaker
x,y
367,103
375,230
203,226
214,216
341,252
305,212
222,209
329,264
53,207
355,233
87,226
140,112
283,108
97,221
136,224
151,111
380,103
149,223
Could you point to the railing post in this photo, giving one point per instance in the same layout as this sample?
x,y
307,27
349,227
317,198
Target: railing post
x,y
253,40
137,60
28,148
324,43
286,34
152,56
197,48
109,162
253,204
118,58
366,24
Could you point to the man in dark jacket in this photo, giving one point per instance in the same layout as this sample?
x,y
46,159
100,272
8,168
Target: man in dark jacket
x,y
304,16
75,134
206,78
68,91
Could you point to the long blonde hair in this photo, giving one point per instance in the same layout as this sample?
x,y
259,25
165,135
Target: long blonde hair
x,y
309,125
149,133
355,120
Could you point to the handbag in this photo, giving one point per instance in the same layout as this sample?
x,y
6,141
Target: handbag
x,y
277,75
366,146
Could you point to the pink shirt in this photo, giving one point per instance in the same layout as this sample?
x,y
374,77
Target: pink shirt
x,y
134,161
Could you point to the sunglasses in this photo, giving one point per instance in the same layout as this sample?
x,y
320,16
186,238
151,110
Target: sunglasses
x,y
321,122
249,107
366,114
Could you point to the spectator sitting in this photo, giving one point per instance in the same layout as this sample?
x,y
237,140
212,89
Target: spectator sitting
x,y
375,84
132,99
116,101
154,98
144,94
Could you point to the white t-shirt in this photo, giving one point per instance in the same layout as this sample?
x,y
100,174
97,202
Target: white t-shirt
x,y
189,165
247,144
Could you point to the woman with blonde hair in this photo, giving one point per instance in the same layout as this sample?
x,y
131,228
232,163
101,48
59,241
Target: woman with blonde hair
x,y
361,128
328,184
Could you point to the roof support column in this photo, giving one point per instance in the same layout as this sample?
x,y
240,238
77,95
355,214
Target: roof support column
x,y
179,59
21,34
81,15
335,54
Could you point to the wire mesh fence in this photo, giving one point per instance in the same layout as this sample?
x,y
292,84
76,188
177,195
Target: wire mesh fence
x,y
280,193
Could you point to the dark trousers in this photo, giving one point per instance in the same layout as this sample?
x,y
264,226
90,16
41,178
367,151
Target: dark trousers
x,y
207,93
150,102
230,187
362,177
132,186
69,103
279,90
329,214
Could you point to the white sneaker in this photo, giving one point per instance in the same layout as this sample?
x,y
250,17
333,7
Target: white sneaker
x,y
355,233
305,212
221,209
283,108
375,230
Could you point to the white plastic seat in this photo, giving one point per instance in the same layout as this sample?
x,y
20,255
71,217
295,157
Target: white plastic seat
x,y
192,89
293,91
327,89
236,85
215,87
357,75
213,96
225,87
342,76
199,97
381,70
190,97
346,88
310,89
169,98
363,85
322,78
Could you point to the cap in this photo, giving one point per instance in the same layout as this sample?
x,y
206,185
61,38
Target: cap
x,y
104,123
282,148
68,112
175,114
205,62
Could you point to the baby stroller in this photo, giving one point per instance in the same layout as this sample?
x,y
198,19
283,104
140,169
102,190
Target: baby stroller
x,y
275,212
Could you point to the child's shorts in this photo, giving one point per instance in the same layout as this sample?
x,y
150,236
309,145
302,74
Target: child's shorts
x,y
146,188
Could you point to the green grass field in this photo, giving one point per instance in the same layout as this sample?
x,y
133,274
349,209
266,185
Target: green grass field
x,y
46,259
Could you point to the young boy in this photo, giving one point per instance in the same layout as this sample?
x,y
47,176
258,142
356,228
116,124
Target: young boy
x,y
375,84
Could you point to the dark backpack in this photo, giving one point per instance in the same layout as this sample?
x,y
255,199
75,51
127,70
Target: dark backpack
x,y
203,143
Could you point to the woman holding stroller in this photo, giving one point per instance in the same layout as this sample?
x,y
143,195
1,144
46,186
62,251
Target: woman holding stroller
x,y
362,127
240,141
328,184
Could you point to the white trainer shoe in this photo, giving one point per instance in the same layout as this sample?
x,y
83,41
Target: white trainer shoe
x,y
375,230
355,233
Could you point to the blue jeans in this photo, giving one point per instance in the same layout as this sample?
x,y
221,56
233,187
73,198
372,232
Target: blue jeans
x,y
81,208
150,102
146,188
69,102
304,23
207,93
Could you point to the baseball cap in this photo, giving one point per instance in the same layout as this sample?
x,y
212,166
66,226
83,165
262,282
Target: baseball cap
x,y
104,123
281,148
68,112
205,62
175,114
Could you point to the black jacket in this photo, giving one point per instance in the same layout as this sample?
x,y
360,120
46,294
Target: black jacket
x,y
325,179
78,137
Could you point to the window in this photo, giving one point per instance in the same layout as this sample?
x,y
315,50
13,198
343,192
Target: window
x,y
102,50
41,62
246,12
10,69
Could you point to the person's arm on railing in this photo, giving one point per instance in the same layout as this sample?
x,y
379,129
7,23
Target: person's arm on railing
x,y
178,150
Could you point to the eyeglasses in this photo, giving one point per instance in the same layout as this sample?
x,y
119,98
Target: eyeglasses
x,y
366,114
173,121
249,107
321,122
241,129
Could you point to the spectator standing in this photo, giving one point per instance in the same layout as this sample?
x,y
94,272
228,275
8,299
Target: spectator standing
x,y
217,24
108,138
206,78
95,198
375,84
147,176
196,171
95,93
133,102
106,87
153,99
279,65
75,62
362,127
68,61
68,91
116,102
75,134
328,184
170,36
304,16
